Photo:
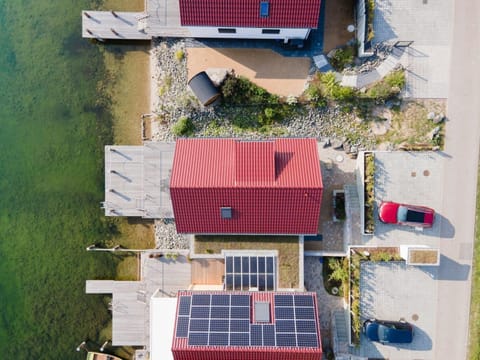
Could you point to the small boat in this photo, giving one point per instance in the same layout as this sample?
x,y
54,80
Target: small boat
x,y
91,355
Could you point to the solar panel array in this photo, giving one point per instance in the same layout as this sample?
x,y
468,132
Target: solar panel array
x,y
224,320
246,272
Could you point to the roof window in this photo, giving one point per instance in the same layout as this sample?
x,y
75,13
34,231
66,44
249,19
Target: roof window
x,y
264,8
226,212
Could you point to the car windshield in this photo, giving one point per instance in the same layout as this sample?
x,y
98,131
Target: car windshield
x,y
402,214
382,333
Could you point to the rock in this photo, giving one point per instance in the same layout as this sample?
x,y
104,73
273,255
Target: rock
x,y
331,53
379,128
438,118
337,144
432,134
431,115
353,150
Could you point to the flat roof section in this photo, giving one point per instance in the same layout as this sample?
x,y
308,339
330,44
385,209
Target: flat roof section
x,y
137,180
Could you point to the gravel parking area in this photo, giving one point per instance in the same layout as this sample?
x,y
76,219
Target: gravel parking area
x,y
394,291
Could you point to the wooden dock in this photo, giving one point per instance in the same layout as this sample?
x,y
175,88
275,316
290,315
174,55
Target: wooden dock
x,y
130,304
161,18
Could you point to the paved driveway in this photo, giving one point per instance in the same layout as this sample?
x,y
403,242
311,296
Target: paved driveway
x,y
394,291
428,24
411,178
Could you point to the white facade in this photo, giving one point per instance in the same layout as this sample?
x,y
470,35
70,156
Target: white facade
x,y
247,33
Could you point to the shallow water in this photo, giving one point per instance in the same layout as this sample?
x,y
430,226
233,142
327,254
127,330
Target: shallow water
x,y
54,122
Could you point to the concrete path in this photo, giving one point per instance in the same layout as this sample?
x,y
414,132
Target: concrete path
x,y
462,145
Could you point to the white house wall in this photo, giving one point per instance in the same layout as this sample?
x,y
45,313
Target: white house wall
x,y
246,33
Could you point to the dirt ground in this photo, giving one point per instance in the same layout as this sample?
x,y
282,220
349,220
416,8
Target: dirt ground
x,y
277,74
338,15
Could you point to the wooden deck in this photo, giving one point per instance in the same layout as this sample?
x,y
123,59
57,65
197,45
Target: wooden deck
x,y
208,271
137,180
130,304
161,18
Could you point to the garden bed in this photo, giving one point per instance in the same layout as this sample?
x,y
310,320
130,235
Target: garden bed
x,y
369,193
339,205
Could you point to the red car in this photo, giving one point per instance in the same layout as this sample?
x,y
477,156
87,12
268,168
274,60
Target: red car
x,y
393,213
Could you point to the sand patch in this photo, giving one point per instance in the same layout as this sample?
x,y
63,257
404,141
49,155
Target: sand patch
x,y
277,74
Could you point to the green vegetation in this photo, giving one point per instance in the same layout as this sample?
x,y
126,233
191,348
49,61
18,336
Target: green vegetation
x,y
343,57
183,127
179,55
370,17
287,246
388,87
369,183
238,90
474,334
335,275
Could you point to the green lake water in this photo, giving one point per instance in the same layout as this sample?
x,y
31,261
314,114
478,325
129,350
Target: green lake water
x,y
53,125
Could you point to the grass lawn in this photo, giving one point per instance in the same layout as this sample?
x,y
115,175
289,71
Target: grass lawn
x,y
287,246
474,341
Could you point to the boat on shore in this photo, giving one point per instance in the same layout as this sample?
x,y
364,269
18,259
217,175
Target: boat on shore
x,y
91,355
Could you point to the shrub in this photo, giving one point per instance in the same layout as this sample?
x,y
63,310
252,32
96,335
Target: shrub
x,y
241,91
342,58
179,55
388,87
183,127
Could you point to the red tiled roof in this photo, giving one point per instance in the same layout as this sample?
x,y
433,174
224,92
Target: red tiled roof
x,y
272,187
246,13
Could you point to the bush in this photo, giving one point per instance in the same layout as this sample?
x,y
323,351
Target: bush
x,y
183,127
179,55
342,58
241,91
388,87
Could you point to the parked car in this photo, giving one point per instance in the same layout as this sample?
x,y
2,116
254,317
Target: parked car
x,y
391,212
387,332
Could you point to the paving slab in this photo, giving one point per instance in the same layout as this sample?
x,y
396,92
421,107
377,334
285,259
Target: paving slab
x,y
394,291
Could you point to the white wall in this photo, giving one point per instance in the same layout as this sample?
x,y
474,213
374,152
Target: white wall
x,y
246,33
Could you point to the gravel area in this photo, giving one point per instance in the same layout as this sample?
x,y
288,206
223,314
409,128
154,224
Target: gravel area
x,y
167,238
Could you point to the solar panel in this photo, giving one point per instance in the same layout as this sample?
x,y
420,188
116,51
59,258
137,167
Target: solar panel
x,y
200,312
261,283
219,325
229,264
306,326
285,326
182,326
229,282
303,300
240,300
184,307
218,339
240,312
237,264
270,284
304,313
269,265
220,312
268,335
283,300
237,282
253,280
253,264
307,340
245,264
198,339
200,299
199,325
221,300
286,339
256,335
261,264
284,313
239,325
239,339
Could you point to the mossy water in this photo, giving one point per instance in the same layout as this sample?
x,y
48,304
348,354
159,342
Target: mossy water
x,y
54,122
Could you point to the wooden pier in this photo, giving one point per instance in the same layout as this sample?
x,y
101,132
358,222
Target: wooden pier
x,y
130,303
161,18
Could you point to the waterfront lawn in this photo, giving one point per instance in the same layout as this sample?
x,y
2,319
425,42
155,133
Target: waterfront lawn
x,y
287,246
